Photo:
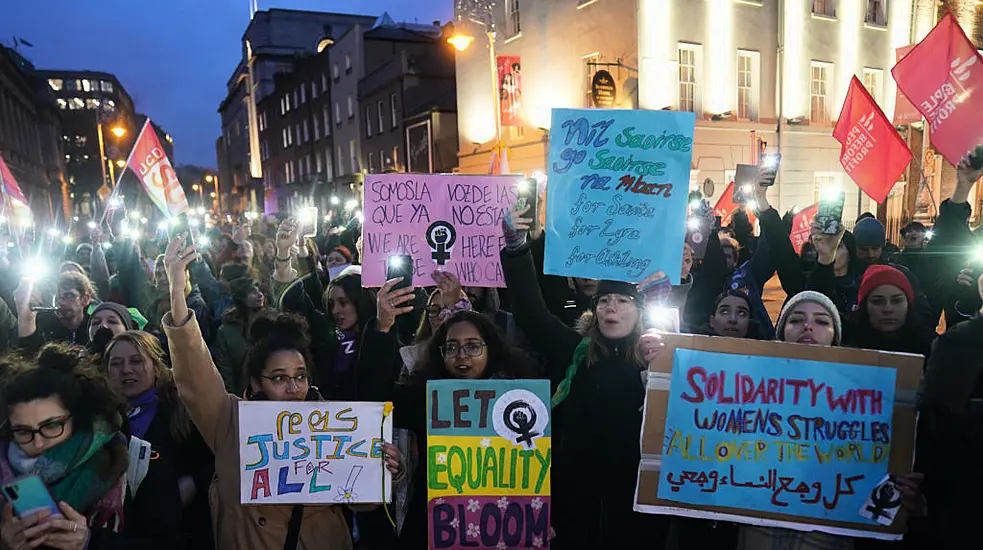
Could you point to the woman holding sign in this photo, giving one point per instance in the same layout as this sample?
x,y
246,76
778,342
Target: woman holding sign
x,y
277,369
597,404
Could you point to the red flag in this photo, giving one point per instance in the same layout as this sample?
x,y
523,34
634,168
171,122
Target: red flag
x,y
904,111
726,207
802,227
943,78
8,185
871,150
150,162
509,89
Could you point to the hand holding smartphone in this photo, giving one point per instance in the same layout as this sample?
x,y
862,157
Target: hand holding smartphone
x,y
830,214
528,195
400,265
29,495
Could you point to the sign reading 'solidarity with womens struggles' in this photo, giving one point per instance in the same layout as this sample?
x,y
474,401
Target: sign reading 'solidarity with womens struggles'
x,y
324,452
616,199
445,222
488,463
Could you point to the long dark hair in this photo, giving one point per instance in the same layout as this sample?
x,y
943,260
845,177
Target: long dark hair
x,y
503,360
362,298
59,371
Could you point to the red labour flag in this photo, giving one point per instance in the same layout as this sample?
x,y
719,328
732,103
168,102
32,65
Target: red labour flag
x,y
726,207
871,150
943,77
802,227
8,186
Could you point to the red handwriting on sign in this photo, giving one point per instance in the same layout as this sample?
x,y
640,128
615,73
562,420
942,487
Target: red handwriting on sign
x,y
741,389
638,185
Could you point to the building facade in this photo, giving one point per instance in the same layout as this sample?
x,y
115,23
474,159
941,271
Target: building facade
x,y
270,46
756,73
99,126
30,136
407,101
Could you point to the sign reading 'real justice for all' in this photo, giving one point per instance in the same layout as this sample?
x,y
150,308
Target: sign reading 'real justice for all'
x,y
488,463
445,222
325,452
778,435
616,199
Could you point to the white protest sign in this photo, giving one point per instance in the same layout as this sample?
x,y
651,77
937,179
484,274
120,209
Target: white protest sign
x,y
313,452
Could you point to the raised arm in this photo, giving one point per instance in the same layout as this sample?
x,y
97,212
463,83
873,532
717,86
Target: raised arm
x,y
199,383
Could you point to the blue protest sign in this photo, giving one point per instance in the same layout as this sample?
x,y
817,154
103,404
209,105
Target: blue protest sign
x,y
616,199
786,436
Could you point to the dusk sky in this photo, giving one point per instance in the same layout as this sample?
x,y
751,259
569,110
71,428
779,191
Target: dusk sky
x,y
173,56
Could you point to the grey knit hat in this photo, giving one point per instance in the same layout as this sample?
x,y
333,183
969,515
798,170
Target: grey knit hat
x,y
816,298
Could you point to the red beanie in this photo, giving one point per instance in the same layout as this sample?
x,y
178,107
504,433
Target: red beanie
x,y
877,275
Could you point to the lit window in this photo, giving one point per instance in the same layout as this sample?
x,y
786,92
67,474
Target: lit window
x,y
317,127
61,103
328,167
368,122
337,115
689,85
91,103
56,84
86,85
351,108
819,92
392,110
317,164
872,81
76,103
826,8
341,164
286,139
78,84
106,86
513,22
748,94
283,106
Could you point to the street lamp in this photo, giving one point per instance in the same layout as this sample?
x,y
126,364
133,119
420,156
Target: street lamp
x,y
119,131
120,163
481,13
460,41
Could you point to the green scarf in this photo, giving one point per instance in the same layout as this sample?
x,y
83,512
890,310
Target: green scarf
x,y
579,356
81,470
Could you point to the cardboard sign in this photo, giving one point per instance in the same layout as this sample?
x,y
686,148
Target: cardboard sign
x,y
488,463
445,222
779,435
317,452
616,201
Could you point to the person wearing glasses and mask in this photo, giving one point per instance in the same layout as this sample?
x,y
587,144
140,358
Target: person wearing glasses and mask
x,y
465,346
277,369
67,323
63,423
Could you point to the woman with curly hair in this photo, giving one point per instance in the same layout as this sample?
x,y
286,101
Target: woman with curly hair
x,y
65,424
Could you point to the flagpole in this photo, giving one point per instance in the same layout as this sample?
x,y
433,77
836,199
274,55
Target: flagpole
x,y
123,170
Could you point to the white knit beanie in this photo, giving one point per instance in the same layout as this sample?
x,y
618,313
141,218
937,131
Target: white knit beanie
x,y
816,298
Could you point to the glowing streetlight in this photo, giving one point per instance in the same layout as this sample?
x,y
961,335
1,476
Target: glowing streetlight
x,y
335,200
120,163
460,42
213,194
209,178
118,131
195,187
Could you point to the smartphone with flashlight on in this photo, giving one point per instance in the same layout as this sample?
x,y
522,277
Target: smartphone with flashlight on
x,y
180,225
699,226
745,178
830,214
768,169
665,319
527,193
307,222
400,265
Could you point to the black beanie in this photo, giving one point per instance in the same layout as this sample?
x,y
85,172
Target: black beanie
x,y
616,287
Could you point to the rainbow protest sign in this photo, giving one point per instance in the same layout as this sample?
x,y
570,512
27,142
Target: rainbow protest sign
x,y
488,463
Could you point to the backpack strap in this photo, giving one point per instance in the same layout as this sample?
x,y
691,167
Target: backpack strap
x,y
293,528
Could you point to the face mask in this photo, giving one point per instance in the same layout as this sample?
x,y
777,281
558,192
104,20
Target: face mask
x,y
100,340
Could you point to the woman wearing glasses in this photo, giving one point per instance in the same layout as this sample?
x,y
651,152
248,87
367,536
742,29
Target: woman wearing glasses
x,y
466,346
277,369
65,425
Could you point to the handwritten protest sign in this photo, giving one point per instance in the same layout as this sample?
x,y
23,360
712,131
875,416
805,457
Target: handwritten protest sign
x,y
313,452
488,463
777,434
616,201
445,222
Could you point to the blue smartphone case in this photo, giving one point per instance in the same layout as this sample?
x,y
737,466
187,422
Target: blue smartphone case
x,y
29,495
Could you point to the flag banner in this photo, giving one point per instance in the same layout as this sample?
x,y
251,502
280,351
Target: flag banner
x,y
904,111
8,185
725,207
802,227
153,167
871,151
942,77
509,89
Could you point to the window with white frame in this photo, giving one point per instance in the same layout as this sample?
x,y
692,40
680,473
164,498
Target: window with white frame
x,y
341,163
748,85
826,8
307,135
286,141
368,121
353,155
283,105
328,166
337,114
327,120
876,12
873,79
372,163
392,110
318,164
303,95
316,123
825,180
821,74
287,98
381,106
351,108
690,62
513,21
313,90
